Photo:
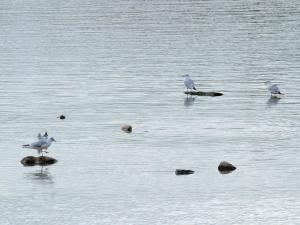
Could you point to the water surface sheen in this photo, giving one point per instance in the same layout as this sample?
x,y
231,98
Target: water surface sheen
x,y
104,63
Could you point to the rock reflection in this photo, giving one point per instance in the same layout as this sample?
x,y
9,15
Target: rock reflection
x,y
189,101
225,171
42,174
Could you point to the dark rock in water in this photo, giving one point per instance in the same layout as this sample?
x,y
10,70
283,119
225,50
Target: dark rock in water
x,y
226,167
45,160
41,160
183,172
62,117
127,128
203,93
29,161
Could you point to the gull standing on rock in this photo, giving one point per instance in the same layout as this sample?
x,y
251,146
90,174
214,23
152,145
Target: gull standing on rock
x,y
189,83
273,88
43,143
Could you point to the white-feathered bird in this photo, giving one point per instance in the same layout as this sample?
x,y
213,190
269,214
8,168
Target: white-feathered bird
x,y
273,88
188,82
43,143
45,136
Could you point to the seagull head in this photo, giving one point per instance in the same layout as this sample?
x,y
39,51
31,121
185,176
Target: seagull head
x,y
186,75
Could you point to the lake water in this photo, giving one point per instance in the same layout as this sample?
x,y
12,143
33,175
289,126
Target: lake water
x,y
106,63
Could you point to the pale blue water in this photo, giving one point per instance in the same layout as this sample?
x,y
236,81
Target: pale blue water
x,y
105,63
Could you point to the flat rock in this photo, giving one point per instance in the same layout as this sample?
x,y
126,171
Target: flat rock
x,y
226,167
203,93
127,128
183,172
41,160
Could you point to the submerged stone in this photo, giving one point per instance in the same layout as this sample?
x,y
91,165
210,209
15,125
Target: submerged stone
x,y
127,128
62,117
183,172
226,167
203,93
41,160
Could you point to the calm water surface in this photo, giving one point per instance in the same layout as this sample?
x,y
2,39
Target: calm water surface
x,y
105,63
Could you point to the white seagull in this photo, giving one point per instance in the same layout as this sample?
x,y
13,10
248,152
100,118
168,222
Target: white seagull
x,y
43,143
45,136
188,82
273,88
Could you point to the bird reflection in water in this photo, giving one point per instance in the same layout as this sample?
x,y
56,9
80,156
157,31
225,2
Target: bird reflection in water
x,y
42,174
273,100
189,101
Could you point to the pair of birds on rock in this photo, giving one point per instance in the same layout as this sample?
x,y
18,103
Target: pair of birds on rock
x,y
273,88
43,142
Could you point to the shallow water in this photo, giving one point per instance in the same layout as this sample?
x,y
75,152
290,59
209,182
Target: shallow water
x,y
105,63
